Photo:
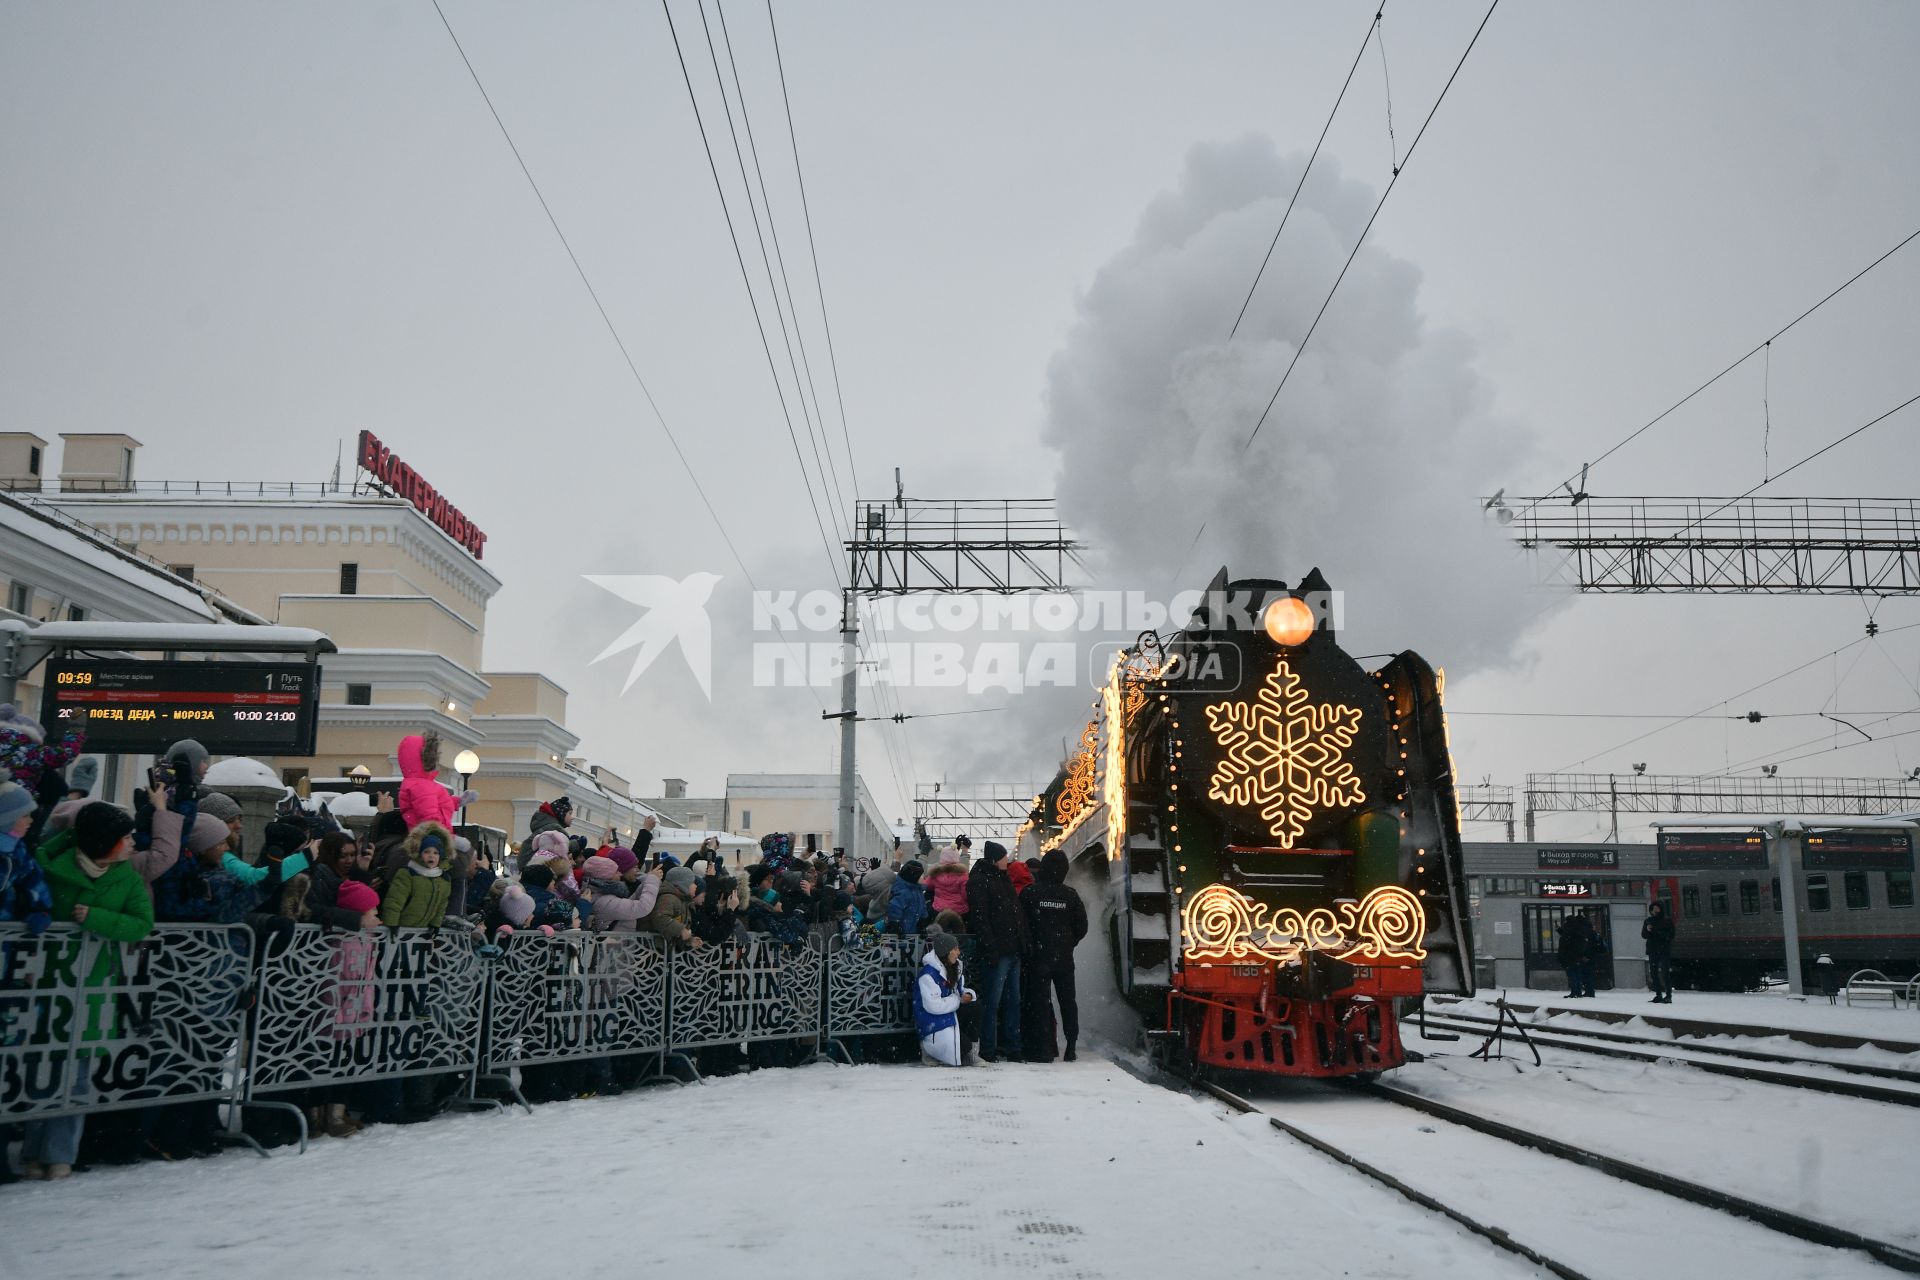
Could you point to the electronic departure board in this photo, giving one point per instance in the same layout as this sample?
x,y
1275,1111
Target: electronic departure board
x,y
1859,850
1712,851
141,708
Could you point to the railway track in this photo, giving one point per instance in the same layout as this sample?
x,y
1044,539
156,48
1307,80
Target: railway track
x,y
1443,1011
1702,1058
1524,1237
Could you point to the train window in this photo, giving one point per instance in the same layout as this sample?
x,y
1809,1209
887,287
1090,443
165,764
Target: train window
x,y
1856,890
1690,900
1899,888
1774,889
1819,897
1749,897
1717,899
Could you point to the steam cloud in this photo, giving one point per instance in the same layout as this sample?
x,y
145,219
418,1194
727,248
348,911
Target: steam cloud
x,y
1368,465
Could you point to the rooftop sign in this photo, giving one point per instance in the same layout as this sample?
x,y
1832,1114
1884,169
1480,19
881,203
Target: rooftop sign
x,y
385,466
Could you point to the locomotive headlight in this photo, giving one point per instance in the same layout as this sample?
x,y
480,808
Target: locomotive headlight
x,y
1288,621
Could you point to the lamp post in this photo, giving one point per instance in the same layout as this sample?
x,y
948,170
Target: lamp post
x,y
466,764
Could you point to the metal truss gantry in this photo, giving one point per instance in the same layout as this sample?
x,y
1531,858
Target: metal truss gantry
x,y
940,546
1487,803
1618,793
1720,546
948,809
955,546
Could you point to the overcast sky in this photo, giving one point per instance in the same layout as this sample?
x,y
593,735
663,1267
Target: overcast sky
x,y
243,232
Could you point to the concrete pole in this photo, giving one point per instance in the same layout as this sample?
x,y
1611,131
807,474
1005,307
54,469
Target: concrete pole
x,y
1788,867
844,826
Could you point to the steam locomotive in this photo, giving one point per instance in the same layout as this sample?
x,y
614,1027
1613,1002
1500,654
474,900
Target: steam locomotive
x,y
1275,830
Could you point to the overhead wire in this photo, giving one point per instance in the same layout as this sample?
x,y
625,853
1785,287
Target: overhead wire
x,y
1718,702
1299,350
813,252
1759,347
1297,187
1313,327
613,331
746,279
815,434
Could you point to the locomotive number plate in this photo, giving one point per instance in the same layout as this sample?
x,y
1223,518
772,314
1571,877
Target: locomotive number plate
x,y
1248,970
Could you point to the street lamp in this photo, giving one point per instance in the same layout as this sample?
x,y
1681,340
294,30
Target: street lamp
x,y
466,764
360,776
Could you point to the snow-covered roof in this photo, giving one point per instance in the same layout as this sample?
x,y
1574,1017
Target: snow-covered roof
x,y
241,771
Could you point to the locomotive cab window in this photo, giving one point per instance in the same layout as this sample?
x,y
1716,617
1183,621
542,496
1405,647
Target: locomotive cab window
x,y
1717,899
1899,888
1819,896
1749,897
1856,891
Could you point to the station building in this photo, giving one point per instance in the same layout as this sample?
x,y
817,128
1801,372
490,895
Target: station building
x,y
1520,892
396,581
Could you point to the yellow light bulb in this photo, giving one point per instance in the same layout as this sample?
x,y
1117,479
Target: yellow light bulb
x,y
1288,621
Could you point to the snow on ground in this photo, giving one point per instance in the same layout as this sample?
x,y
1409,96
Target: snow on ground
x,y
1070,1170
1844,1161
1600,1226
1749,1009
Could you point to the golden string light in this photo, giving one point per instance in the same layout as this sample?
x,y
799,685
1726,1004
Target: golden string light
x,y
1221,923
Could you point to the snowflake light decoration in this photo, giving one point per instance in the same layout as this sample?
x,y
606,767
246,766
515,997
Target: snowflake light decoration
x,y
1283,754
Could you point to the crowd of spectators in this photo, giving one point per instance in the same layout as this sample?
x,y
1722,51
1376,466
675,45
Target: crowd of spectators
x,y
177,858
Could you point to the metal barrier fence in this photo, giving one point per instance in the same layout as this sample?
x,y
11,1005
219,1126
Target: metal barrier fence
x,y
90,1025
374,1005
575,995
870,988
737,993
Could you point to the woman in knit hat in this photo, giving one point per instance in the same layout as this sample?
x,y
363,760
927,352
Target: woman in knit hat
x,y
937,997
620,901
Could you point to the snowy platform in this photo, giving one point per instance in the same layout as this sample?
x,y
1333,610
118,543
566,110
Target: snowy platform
x,y
1071,1170
1810,1022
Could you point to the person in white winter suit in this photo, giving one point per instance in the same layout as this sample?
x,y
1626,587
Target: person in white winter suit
x,y
937,998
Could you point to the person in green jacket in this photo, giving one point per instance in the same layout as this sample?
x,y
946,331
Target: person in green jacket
x,y
95,886
420,891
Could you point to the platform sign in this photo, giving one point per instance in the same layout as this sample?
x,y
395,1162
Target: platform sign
x,y
131,707
1857,851
1712,851
1566,889
1583,859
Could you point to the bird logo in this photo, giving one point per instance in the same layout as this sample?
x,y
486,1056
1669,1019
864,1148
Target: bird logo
x,y
675,610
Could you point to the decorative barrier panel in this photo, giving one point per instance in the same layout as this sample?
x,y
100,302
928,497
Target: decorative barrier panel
x,y
870,988
737,992
576,995
369,1005
91,1025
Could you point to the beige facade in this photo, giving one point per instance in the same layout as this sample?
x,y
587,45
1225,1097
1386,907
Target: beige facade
x,y
96,459
404,602
23,459
804,804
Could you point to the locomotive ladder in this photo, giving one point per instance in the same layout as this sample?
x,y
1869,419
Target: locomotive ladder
x,y
1148,917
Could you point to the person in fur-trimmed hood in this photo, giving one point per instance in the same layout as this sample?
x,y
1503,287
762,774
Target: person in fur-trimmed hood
x,y
423,797
418,896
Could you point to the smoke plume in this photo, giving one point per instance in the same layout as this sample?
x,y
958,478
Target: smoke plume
x,y
1368,465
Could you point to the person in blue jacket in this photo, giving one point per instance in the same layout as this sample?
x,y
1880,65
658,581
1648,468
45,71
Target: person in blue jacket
x,y
907,903
937,997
